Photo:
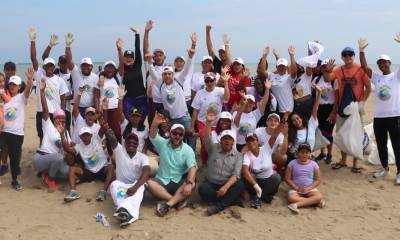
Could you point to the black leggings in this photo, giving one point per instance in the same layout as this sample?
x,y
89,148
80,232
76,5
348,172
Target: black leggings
x,y
14,143
269,187
383,126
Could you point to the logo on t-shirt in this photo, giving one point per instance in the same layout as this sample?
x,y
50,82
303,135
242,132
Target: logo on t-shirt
x,y
324,94
213,107
58,143
121,193
109,92
49,93
170,97
384,93
84,88
244,129
10,114
93,159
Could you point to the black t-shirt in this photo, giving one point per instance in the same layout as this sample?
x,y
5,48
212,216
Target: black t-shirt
x,y
133,76
217,64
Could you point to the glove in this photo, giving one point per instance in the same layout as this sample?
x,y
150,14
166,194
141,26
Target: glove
x,y
362,44
361,105
69,39
258,190
53,40
32,34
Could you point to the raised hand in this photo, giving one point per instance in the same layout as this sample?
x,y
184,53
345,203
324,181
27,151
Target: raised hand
x,y
148,57
29,73
225,70
226,39
135,30
193,37
330,65
397,37
59,126
208,28
149,25
265,51
158,118
69,39
276,53
268,84
53,40
291,50
32,34
191,52
42,84
362,44
120,44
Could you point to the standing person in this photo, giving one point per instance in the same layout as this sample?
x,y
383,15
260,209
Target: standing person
x,y
83,79
351,84
130,68
223,185
12,134
302,94
224,53
239,79
387,111
197,81
4,98
176,174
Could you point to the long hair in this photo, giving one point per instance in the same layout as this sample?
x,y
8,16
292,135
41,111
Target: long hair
x,y
218,128
292,133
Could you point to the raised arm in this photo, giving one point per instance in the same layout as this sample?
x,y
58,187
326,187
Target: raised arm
x,y
43,101
210,47
120,47
264,64
189,65
362,45
75,109
110,135
264,100
293,64
327,72
147,29
29,83
314,112
276,54
158,119
32,37
66,145
52,43
240,110
69,39
226,39
225,79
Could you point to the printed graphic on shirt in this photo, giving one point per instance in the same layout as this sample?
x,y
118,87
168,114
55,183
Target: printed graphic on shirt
x,y
324,94
171,97
84,88
58,143
108,92
213,107
122,193
49,93
384,93
10,114
93,159
244,129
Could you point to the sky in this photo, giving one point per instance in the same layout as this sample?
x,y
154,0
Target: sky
x,y
251,25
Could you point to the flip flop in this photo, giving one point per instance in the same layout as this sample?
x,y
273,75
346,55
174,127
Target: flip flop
x,y
338,165
356,169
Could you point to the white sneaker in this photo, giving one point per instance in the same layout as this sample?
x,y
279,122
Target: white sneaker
x,y
397,182
293,208
381,173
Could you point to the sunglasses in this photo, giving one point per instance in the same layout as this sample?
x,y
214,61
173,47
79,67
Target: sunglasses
x,y
250,139
179,134
209,80
347,54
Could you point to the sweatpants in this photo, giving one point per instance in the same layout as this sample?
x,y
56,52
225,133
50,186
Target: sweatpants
x,y
269,187
208,192
132,203
14,143
53,163
383,126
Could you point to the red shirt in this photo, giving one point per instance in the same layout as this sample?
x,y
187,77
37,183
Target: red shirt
x,y
234,85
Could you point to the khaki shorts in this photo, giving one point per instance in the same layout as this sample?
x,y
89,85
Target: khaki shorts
x,y
153,161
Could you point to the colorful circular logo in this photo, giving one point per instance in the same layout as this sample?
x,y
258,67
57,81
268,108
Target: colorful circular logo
x,y
171,97
324,93
93,159
122,193
244,129
10,114
109,92
384,93
58,143
214,107
49,93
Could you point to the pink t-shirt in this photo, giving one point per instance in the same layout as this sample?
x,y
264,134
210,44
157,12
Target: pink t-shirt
x,y
303,174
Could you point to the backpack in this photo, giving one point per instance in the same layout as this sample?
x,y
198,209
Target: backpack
x,y
348,94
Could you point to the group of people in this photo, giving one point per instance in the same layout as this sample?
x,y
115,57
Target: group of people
x,y
254,131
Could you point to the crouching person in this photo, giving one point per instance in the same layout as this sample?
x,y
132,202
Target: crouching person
x,y
175,177
222,185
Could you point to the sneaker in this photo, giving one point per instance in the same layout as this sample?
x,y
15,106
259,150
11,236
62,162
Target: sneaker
x,y
212,210
382,173
122,214
293,208
397,182
101,196
3,169
320,157
49,182
72,195
328,159
181,205
16,185
162,209
255,203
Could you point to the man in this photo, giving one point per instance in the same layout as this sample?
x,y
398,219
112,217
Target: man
x,y
56,89
83,80
349,76
132,172
222,185
224,52
175,178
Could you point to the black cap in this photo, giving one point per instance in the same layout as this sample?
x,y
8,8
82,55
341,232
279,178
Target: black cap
x,y
129,53
10,66
304,146
165,113
62,59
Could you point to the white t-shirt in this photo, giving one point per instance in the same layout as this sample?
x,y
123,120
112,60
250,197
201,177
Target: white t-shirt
x,y
79,123
198,81
260,166
110,91
187,84
155,92
14,115
92,155
263,138
51,142
129,170
215,136
142,135
302,135
66,77
87,84
274,103
327,91
387,90
248,124
282,90
205,100
302,86
55,87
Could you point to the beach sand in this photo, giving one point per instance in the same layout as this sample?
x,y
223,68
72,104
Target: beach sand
x,y
355,209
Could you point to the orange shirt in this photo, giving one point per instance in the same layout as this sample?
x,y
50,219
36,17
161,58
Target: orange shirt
x,y
355,72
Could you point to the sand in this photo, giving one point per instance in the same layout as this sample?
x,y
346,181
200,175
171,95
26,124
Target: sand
x,y
355,209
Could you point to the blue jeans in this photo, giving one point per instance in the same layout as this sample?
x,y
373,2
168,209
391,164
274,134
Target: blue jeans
x,y
186,121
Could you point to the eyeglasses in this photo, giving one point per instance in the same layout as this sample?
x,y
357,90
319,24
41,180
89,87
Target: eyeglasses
x,y
250,139
209,80
179,134
347,54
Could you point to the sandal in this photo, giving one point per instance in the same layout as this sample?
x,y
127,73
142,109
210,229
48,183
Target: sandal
x,y
338,165
356,169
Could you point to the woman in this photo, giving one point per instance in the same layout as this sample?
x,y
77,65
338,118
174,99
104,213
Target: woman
x,y
301,129
238,80
224,123
49,158
208,99
303,100
198,77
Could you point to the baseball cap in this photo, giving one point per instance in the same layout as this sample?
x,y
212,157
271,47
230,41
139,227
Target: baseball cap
x,y
177,125
90,109
10,66
87,60
62,59
221,48
85,130
180,57
326,61
129,53
205,58
167,69
274,115
384,57
109,63
59,113
251,135
227,133
348,50
304,146
15,79
226,115
159,50
250,97
135,111
131,136
238,60
49,61
209,75
282,61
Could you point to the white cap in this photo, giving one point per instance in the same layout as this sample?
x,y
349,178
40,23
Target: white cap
x,y
274,115
209,75
384,57
177,125
221,48
159,50
90,109
15,79
326,61
87,60
226,115
49,60
207,58
85,130
227,133
282,61
180,57
238,60
250,97
109,63
167,69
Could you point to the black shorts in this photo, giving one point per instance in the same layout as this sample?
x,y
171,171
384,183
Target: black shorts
x,y
89,176
171,187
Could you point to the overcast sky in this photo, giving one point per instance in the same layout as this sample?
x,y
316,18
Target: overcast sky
x,y
251,24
